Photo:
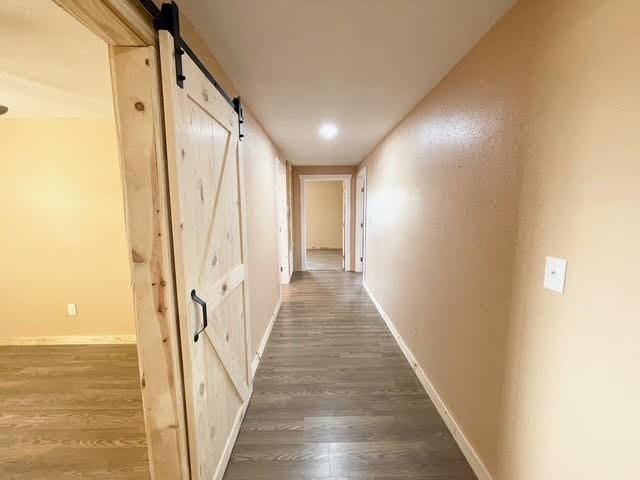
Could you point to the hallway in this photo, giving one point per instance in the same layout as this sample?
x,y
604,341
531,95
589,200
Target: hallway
x,y
334,397
260,240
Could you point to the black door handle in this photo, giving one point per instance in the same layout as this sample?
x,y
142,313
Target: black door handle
x,y
203,304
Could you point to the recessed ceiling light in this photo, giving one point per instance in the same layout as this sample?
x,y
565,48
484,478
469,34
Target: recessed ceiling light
x,y
328,130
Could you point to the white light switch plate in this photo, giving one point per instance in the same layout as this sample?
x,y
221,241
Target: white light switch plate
x,y
555,271
72,311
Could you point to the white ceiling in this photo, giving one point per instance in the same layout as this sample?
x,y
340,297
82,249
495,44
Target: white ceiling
x,y
361,63
50,65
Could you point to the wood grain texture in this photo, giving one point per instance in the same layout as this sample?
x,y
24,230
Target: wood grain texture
x,y
324,259
205,180
117,22
70,340
71,412
334,397
139,120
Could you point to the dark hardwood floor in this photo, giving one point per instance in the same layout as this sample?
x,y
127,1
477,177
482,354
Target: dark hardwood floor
x,y
71,412
334,397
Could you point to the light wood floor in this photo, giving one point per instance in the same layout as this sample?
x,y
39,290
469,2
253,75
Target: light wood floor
x,y
71,412
324,259
334,397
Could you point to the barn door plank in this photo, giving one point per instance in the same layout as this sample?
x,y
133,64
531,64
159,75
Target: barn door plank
x,y
207,198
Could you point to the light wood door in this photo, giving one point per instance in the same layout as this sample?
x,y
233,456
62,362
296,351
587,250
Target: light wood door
x,y
206,196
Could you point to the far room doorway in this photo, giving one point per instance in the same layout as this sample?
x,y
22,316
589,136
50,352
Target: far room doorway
x,y
325,221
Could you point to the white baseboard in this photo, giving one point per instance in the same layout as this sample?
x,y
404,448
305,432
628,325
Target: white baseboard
x,y
463,442
265,338
70,340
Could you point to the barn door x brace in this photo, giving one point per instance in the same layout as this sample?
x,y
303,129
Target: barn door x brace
x,y
168,18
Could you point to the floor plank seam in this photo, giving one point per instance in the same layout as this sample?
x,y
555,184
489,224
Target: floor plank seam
x,y
334,397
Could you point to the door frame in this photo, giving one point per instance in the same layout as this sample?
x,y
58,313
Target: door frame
x,y
290,219
135,75
361,220
346,215
282,221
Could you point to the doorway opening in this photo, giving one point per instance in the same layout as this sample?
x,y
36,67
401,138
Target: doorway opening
x,y
325,221
68,332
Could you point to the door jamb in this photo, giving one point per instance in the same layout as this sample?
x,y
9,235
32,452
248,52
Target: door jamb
x,y
346,181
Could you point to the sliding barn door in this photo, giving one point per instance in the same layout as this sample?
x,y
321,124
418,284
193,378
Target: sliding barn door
x,y
205,184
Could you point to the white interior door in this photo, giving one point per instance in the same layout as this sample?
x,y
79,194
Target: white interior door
x,y
207,202
344,219
290,216
283,222
361,219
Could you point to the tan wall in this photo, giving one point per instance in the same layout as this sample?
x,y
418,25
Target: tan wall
x,y
528,148
262,231
259,153
324,214
320,170
63,238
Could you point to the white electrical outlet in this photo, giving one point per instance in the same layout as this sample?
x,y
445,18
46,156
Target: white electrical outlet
x,y
72,310
555,272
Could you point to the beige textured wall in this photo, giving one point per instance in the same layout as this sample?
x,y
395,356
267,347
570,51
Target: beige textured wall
x,y
528,148
259,153
63,237
262,231
324,214
320,170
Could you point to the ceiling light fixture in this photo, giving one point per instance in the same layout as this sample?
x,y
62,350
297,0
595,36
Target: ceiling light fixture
x,y
3,109
328,130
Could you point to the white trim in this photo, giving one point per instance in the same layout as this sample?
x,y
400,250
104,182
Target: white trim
x,y
361,218
70,340
463,442
346,181
265,338
282,223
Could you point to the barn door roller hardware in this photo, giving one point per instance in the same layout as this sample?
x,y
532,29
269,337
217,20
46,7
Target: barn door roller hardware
x,y
168,18
237,106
